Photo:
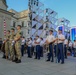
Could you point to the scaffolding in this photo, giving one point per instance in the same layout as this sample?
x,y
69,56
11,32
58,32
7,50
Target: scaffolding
x,y
35,16
42,20
50,21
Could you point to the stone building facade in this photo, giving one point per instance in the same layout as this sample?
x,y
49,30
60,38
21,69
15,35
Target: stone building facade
x,y
12,19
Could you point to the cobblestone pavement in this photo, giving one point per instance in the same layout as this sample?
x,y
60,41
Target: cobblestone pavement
x,y
30,66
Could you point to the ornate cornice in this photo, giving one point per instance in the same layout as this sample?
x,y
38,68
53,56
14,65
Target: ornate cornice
x,y
7,12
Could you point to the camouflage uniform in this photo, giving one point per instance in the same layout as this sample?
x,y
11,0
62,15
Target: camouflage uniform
x,y
11,43
7,45
18,45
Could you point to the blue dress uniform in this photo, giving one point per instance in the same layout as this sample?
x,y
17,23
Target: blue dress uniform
x,y
37,56
33,47
55,48
74,46
50,40
22,46
29,48
41,47
65,48
61,37
70,47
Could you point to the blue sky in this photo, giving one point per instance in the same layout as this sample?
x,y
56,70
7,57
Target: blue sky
x,y
65,8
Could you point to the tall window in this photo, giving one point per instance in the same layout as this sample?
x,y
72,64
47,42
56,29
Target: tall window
x,y
23,24
14,24
28,31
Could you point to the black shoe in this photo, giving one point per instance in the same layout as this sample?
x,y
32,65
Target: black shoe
x,y
38,58
35,58
41,55
73,56
62,62
65,57
15,60
18,61
4,57
58,61
30,57
47,60
52,61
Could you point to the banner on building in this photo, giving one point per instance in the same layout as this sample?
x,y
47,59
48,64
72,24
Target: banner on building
x,y
73,33
61,27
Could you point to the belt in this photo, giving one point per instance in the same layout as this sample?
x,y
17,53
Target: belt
x,y
51,43
37,45
60,43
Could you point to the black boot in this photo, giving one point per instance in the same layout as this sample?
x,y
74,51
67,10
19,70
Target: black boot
x,y
15,60
47,60
4,57
52,60
62,62
18,61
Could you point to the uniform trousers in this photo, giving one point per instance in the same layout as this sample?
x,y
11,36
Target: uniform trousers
x,y
37,56
18,50
41,51
22,50
7,48
55,49
50,55
74,52
11,52
29,51
60,53
65,51
70,49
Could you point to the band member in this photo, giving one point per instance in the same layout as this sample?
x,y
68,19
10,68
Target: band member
x,y
41,47
37,42
17,40
65,48
74,46
11,41
55,48
70,47
50,40
60,39
22,45
29,44
7,44
34,47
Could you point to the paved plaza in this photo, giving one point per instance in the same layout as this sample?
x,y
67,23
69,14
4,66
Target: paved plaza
x,y
37,67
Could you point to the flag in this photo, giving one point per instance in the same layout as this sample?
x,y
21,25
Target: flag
x,y
4,27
